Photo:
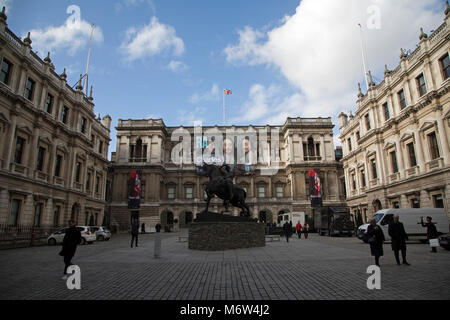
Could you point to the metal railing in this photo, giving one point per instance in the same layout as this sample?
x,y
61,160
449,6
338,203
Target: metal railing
x,y
24,235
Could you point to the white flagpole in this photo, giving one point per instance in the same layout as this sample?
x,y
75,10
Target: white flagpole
x,y
224,116
89,57
363,57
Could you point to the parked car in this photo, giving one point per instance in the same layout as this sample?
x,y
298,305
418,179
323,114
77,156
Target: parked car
x,y
87,235
102,233
444,241
411,221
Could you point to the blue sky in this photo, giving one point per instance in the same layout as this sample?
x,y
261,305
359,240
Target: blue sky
x,y
172,58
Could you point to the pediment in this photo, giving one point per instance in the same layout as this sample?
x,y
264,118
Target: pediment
x,y
426,125
4,119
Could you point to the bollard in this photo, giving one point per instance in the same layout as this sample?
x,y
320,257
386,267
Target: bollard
x,y
157,253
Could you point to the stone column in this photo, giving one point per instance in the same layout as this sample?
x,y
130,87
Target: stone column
x,y
419,150
51,161
445,151
43,97
322,148
291,149
84,177
381,165
302,156
401,162
70,168
4,205
10,144
408,94
33,151
149,148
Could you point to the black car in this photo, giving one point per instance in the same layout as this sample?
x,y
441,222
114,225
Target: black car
x,y
444,241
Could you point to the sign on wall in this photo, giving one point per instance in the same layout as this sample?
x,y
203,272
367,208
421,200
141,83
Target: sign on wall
x,y
315,188
134,190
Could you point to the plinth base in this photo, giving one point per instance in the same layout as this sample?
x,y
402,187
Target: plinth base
x,y
220,236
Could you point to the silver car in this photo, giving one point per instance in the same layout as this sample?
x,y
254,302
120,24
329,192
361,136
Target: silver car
x,y
102,233
87,235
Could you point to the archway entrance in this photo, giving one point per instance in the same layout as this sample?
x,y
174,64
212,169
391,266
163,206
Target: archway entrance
x,y
167,218
265,216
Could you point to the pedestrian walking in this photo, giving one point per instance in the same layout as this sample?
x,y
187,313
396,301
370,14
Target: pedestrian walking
x,y
158,227
306,230
287,230
431,231
376,239
71,240
298,229
143,228
398,236
134,233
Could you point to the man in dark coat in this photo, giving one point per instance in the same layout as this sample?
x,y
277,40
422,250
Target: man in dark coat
x,y
72,238
431,231
376,239
398,236
287,230
158,227
134,232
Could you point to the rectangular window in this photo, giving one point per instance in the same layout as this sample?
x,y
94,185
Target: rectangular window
x,y
363,178
56,213
261,192
49,103
401,99
97,184
100,147
421,85
349,142
29,89
40,159
318,150
5,72
387,116
358,135
189,193
20,144
394,162
171,193
353,181
280,192
445,65
88,181
83,125
434,149
65,114
37,214
58,165
415,203
367,118
412,155
78,172
374,169
438,201
14,214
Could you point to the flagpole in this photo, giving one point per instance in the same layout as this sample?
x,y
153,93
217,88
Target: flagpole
x,y
363,56
89,57
224,118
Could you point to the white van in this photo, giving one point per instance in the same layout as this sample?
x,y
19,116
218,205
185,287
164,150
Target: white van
x,y
294,217
411,221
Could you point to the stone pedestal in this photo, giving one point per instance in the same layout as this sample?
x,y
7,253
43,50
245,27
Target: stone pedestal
x,y
220,236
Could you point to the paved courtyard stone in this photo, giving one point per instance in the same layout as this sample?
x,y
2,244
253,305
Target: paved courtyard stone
x,y
317,268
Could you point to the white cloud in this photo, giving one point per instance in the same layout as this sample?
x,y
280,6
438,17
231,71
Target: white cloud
x,y
73,35
211,95
134,3
317,50
177,66
150,40
189,117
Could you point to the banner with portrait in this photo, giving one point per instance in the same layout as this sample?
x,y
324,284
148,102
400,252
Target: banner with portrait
x,y
315,188
134,189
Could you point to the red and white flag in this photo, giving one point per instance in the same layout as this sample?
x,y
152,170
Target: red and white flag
x,y
226,92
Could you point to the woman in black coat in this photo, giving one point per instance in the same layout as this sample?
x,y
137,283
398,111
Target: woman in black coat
x,y
376,239
431,231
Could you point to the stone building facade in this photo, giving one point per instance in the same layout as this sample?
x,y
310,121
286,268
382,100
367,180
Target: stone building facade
x,y
396,146
172,193
53,149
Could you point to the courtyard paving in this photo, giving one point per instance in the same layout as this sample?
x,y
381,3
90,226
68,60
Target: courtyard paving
x,y
317,268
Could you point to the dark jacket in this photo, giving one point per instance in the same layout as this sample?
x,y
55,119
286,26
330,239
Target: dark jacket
x,y
376,247
135,229
431,230
287,228
72,238
398,236
158,227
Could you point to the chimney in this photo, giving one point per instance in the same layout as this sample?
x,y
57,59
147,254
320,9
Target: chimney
x,y
106,121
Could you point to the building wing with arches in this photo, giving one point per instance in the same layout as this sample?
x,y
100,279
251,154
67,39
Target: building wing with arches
x,y
172,193
396,147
